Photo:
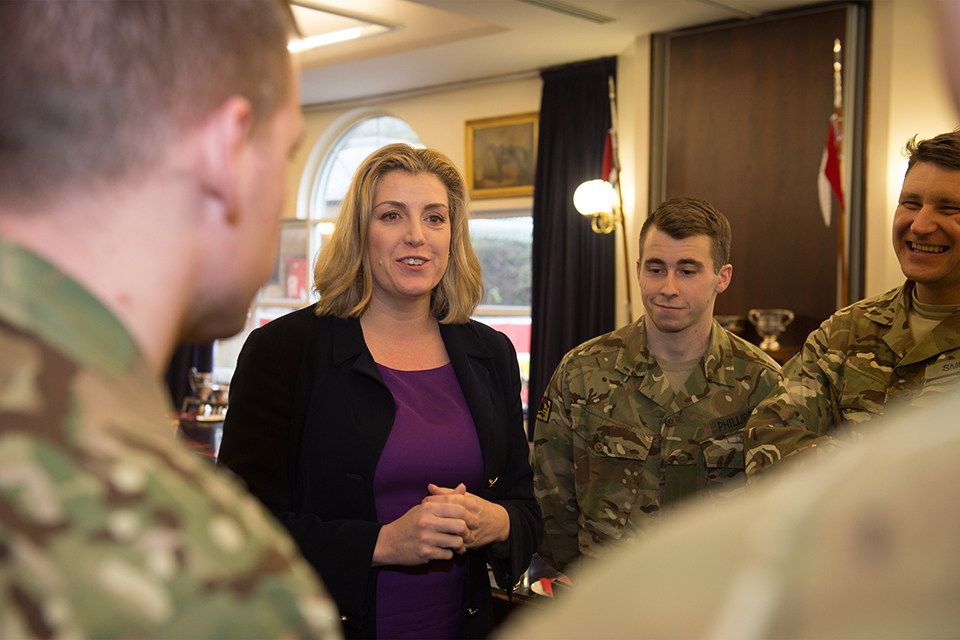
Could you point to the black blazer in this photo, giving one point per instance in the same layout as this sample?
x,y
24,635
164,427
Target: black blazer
x,y
308,419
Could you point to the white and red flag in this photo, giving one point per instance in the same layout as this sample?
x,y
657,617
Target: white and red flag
x,y
828,180
611,158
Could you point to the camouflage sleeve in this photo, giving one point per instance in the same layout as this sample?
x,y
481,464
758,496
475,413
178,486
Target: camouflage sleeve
x,y
801,410
110,528
554,482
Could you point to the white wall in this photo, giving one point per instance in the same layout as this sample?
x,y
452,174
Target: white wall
x,y
439,119
633,82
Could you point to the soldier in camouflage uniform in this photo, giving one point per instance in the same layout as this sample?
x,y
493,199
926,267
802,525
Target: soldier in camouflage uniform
x,y
899,348
862,546
635,420
109,170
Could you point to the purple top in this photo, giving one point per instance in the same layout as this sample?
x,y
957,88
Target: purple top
x,y
433,440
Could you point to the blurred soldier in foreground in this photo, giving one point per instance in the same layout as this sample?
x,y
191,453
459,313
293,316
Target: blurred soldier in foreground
x,y
653,412
142,155
901,347
864,546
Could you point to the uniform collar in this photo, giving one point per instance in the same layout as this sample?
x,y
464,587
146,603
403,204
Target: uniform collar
x,y
892,309
636,359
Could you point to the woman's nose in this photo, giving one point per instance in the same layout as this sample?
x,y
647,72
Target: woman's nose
x,y
414,234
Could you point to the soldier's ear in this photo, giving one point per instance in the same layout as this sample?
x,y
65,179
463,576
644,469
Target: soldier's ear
x,y
223,136
726,272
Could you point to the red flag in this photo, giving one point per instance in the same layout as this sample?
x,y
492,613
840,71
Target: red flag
x,y
829,177
611,160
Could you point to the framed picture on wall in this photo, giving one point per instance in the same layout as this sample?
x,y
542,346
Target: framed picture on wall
x,y
502,156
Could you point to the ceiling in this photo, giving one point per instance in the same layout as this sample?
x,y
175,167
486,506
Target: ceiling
x,y
437,43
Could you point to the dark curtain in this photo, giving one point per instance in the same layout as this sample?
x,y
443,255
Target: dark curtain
x,y
574,280
186,356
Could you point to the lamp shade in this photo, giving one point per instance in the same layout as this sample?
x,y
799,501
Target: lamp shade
x,y
593,197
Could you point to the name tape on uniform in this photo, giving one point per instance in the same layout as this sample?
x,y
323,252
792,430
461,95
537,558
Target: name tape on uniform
x,y
731,422
943,368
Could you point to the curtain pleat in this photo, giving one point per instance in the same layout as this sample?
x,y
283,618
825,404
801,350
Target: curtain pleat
x,y
574,281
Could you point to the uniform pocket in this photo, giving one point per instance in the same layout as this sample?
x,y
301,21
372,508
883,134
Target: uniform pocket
x,y
725,452
617,471
861,393
723,462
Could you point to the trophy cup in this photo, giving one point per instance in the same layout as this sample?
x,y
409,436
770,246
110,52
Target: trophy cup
x,y
209,400
770,323
201,423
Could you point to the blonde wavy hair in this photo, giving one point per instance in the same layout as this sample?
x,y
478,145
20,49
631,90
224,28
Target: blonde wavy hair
x,y
342,274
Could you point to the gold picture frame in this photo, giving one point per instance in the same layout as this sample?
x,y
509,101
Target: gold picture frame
x,y
502,155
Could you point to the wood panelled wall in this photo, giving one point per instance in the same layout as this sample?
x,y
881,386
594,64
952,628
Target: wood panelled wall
x,y
746,119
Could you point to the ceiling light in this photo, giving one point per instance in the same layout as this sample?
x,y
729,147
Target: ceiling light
x,y
322,23
326,38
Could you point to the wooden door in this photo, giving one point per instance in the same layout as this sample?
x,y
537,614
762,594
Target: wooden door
x,y
745,121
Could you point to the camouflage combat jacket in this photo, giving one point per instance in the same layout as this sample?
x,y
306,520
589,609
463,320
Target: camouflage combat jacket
x,y
614,444
109,527
863,546
860,361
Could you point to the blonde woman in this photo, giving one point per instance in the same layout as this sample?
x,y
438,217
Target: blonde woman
x,y
382,425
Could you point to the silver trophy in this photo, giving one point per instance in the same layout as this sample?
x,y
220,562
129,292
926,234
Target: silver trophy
x,y
770,323
209,400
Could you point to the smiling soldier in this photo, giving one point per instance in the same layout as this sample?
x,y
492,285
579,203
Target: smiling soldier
x,y
901,347
635,420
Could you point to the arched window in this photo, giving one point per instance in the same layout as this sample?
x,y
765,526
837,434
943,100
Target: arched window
x,y
345,156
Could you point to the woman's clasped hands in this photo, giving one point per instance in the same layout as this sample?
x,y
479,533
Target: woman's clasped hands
x,y
445,522
494,523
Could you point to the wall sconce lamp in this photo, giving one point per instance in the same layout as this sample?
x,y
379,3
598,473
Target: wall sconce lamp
x,y
599,201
